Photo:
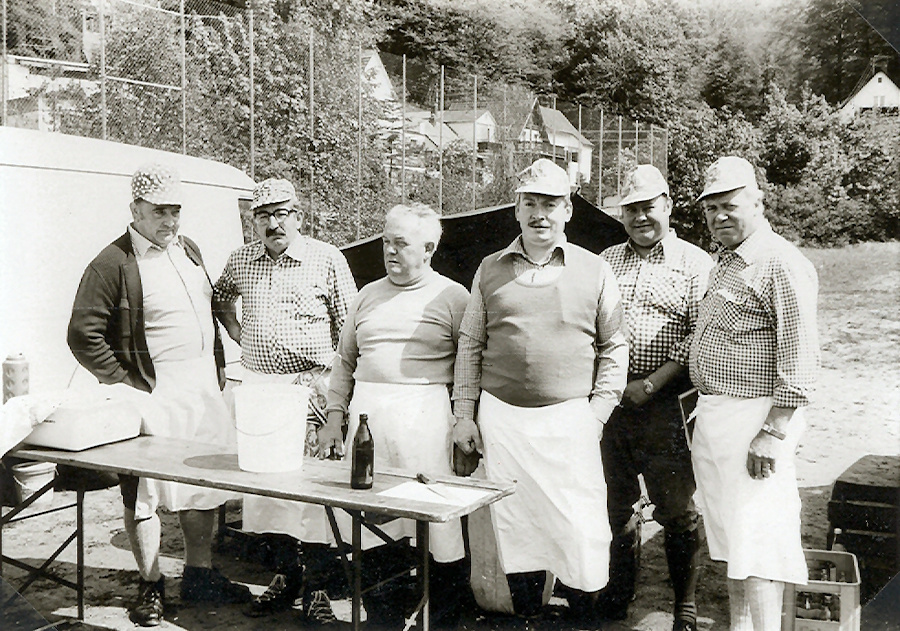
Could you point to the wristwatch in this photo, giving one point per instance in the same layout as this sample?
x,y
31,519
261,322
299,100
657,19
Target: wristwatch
x,y
772,431
649,388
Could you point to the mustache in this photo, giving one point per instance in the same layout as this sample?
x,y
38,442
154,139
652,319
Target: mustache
x,y
271,233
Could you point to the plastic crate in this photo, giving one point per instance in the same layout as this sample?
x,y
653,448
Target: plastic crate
x,y
832,592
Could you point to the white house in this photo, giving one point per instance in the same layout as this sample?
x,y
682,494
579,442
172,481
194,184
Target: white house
x,y
32,83
878,93
549,132
467,124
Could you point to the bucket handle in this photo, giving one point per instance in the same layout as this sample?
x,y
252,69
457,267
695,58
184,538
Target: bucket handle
x,y
269,433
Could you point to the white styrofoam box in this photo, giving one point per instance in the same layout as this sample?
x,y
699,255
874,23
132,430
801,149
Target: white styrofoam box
x,y
80,424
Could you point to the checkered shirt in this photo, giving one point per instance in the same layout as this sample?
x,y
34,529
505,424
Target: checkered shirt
x,y
661,295
756,334
292,308
473,334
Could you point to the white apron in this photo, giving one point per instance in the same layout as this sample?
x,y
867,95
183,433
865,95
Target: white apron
x,y
304,522
187,403
557,519
412,429
753,525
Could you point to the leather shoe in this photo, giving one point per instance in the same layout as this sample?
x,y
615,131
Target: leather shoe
x,y
684,625
206,584
148,610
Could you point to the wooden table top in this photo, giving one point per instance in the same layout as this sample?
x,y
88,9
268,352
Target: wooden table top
x,y
323,482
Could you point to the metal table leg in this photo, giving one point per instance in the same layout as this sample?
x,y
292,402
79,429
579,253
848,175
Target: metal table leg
x,y
356,542
424,578
79,550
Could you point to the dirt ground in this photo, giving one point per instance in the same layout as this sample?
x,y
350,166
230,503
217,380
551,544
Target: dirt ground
x,y
855,413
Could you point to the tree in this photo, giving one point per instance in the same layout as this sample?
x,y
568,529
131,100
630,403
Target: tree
x,y
628,58
49,30
697,137
840,45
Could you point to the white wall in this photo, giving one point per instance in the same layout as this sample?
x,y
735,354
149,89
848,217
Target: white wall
x,y
880,91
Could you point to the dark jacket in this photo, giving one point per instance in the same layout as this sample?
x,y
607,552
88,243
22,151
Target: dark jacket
x,y
106,331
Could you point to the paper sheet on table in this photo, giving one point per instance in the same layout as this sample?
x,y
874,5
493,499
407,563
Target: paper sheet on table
x,y
436,493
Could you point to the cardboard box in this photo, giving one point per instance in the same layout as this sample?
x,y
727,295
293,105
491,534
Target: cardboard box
x,y
830,601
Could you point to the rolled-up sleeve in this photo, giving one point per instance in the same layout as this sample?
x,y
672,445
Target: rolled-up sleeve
x,y
794,290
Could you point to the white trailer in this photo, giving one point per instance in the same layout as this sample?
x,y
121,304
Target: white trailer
x,y
62,199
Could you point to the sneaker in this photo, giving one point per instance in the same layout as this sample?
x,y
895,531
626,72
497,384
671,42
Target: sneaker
x,y
207,584
684,625
148,610
318,610
280,595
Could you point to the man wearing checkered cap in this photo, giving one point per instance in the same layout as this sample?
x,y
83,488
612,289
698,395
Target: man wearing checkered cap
x,y
753,357
543,354
295,293
662,279
142,316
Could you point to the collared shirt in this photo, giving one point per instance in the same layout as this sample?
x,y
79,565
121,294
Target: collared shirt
x,y
610,343
661,295
176,301
292,307
756,334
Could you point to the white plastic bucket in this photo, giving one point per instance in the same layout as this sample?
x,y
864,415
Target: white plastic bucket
x,y
270,419
30,477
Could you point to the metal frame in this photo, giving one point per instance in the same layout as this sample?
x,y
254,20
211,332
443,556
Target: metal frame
x,y
34,573
353,568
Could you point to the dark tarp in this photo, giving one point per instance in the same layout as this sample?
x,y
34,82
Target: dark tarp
x,y
469,237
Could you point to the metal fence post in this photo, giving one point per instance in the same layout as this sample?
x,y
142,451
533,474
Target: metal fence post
x,y
183,83
474,134
252,96
359,96
5,86
101,7
403,135
312,136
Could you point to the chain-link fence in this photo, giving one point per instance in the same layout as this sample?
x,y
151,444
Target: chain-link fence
x,y
356,129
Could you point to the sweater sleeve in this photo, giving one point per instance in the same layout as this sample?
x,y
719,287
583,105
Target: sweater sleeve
x,y
95,312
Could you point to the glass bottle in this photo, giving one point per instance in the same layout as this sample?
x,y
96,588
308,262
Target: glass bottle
x,y
362,456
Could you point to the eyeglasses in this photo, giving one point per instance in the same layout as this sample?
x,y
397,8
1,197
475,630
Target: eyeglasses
x,y
263,218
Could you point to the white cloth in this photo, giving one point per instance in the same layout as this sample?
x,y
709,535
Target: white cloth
x,y
305,522
192,408
411,426
557,519
753,525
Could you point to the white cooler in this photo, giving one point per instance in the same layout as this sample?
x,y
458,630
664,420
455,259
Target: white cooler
x,y
87,422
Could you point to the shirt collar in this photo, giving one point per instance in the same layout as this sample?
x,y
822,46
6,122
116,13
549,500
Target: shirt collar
x,y
753,246
142,244
662,251
295,250
517,247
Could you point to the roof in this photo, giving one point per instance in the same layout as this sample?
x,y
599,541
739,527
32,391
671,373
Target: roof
x,y
555,121
30,148
464,116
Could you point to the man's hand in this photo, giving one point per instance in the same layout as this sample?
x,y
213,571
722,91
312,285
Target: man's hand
x,y
634,395
761,457
331,438
466,435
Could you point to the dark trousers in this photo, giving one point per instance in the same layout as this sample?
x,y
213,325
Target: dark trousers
x,y
387,604
649,440
308,567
